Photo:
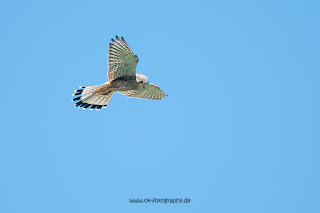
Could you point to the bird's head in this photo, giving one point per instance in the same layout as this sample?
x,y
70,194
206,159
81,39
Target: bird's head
x,y
142,79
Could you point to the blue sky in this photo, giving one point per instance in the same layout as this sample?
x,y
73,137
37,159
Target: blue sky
x,y
239,131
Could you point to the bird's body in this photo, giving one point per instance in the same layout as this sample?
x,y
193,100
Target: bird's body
x,y
124,83
122,78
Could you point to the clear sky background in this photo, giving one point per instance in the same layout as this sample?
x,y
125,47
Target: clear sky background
x,y
239,131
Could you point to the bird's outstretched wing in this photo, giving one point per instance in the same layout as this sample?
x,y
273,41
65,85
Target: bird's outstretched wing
x,y
121,60
150,91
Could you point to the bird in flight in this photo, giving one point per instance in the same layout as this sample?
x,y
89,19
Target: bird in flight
x,y
122,78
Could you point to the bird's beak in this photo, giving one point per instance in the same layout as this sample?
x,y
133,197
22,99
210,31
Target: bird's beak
x,y
143,85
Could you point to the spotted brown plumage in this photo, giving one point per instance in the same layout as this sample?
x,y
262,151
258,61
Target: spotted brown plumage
x,y
122,78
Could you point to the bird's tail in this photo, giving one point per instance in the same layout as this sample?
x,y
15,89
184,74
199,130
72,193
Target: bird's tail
x,y
94,96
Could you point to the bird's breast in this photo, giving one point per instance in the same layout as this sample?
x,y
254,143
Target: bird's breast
x,y
123,84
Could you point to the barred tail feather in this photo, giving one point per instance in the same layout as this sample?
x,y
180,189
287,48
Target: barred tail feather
x,y
89,99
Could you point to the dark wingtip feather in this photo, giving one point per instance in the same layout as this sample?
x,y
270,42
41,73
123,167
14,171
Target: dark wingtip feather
x,y
78,103
86,106
93,107
75,99
81,105
117,37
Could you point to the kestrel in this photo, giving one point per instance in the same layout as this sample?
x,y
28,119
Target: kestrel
x,y
122,78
